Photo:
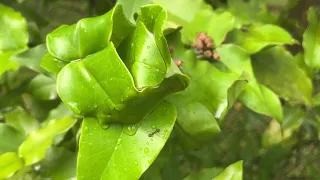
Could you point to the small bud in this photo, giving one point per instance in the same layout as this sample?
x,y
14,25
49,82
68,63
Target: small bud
x,y
199,44
178,63
209,45
216,56
207,54
199,52
202,36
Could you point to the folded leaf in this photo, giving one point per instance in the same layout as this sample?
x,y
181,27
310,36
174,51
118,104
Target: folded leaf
x,y
119,155
116,88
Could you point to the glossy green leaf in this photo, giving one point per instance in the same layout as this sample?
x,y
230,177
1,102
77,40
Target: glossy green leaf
x,y
88,36
59,163
311,43
276,68
10,138
232,172
13,30
43,87
52,64
115,92
34,148
9,164
257,37
31,58
131,7
21,120
255,96
119,155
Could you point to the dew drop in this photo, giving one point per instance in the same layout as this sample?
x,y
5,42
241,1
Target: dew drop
x,y
116,148
153,127
146,150
135,162
130,151
130,129
148,47
134,141
119,141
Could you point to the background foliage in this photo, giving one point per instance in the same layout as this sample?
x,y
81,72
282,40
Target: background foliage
x,y
223,89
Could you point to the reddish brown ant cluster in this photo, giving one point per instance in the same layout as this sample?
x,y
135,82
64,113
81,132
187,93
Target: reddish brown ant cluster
x,y
204,47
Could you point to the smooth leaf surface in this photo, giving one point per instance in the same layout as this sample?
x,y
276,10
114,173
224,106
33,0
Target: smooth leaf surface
x,y
255,96
22,121
311,39
232,172
9,164
10,138
34,148
43,87
119,155
258,37
276,68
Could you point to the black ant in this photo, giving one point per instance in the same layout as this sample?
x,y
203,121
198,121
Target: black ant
x,y
154,132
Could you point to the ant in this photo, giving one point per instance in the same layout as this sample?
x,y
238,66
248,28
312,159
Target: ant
x,y
154,132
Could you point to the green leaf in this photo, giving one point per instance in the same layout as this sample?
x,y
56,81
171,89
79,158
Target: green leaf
x,y
276,133
6,64
204,174
59,163
13,37
115,92
209,96
88,36
276,68
119,155
10,138
255,96
43,87
13,31
21,120
311,42
34,148
232,172
181,11
215,25
131,7
31,58
9,164
258,37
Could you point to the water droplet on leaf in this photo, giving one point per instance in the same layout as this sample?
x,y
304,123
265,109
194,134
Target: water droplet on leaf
x,y
146,150
119,141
